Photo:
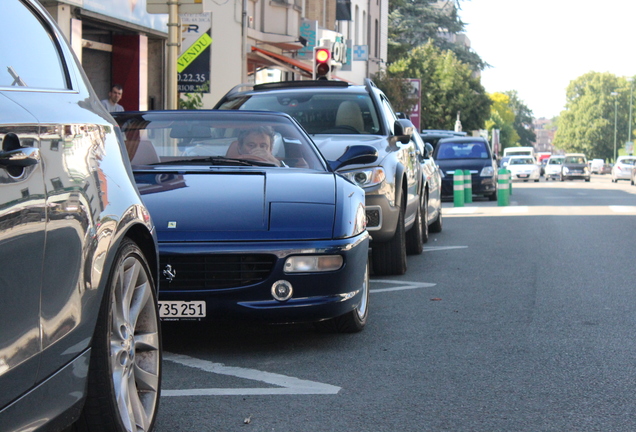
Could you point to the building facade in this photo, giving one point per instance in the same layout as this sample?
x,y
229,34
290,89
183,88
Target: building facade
x,y
250,41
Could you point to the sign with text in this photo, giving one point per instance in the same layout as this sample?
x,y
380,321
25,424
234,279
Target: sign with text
x,y
193,64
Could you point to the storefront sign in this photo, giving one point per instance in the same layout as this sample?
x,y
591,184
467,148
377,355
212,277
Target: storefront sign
x,y
308,30
133,11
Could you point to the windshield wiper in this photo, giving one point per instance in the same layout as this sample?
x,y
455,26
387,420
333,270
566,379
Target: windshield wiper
x,y
216,160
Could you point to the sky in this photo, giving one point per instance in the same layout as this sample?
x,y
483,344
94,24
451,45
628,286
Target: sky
x,y
537,47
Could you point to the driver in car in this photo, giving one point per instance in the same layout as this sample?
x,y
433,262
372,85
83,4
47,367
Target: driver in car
x,y
257,142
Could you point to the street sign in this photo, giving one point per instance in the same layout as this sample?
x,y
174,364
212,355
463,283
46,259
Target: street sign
x,y
360,52
629,147
185,6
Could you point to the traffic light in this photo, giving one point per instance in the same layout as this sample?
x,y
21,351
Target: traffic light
x,y
322,63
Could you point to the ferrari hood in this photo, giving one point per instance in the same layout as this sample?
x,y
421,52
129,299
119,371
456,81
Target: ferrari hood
x,y
239,205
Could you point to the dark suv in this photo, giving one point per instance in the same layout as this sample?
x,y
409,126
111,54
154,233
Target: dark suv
x,y
338,115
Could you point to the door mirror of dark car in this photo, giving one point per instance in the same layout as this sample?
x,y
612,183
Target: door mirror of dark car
x,y
428,150
404,129
355,155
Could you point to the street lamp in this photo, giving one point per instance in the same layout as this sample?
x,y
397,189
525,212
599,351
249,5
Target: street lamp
x,y
615,118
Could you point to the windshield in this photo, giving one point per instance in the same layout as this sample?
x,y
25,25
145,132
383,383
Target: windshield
x,y
464,150
521,161
555,161
237,139
319,113
575,160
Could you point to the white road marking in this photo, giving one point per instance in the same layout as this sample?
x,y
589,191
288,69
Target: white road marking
x,y
402,285
287,385
437,248
622,209
515,209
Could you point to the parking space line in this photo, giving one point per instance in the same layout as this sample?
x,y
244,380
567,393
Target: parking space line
x,y
287,385
402,285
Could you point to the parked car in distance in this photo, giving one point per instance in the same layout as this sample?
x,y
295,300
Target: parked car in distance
x,y
622,169
575,167
253,224
80,343
432,180
467,153
553,167
596,166
337,115
523,168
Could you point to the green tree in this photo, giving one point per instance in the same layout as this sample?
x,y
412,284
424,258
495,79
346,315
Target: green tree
x,y
523,119
414,22
447,87
502,117
587,124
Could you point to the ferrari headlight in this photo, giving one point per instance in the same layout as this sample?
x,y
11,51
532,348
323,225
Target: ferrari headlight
x,y
313,263
367,177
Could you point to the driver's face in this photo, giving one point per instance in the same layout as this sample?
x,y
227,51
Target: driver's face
x,y
257,141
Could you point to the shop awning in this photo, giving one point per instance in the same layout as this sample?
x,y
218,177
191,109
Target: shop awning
x,y
268,58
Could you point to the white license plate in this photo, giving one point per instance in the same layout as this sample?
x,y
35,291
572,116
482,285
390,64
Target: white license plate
x,y
181,309
523,175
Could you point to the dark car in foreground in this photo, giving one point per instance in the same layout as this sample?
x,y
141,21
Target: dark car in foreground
x,y
467,153
575,167
273,236
79,329
337,114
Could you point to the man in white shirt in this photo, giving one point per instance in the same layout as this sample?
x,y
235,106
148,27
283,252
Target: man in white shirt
x,y
114,96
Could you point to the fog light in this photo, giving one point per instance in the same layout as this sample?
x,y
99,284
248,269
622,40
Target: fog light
x,y
282,290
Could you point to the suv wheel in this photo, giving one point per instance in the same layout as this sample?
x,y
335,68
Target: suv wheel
x,y
418,234
389,258
436,227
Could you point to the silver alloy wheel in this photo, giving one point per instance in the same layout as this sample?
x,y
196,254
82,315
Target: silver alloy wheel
x,y
135,356
361,310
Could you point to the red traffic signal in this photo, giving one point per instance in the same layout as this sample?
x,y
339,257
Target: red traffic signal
x,y
322,63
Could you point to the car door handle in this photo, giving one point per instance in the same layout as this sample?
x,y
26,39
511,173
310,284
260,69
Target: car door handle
x,y
21,157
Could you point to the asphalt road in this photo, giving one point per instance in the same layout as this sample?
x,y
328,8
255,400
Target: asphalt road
x,y
518,318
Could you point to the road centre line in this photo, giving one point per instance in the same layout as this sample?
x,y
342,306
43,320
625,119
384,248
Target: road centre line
x,y
605,210
287,385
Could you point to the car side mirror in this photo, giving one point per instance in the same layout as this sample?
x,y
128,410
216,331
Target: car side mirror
x,y
354,155
404,130
428,150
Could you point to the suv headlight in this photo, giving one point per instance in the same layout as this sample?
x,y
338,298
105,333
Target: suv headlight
x,y
487,172
366,177
565,170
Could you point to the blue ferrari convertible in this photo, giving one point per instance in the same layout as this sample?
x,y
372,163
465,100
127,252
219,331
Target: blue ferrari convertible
x,y
252,222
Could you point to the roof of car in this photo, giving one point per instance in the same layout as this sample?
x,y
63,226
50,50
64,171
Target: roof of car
x,y
462,139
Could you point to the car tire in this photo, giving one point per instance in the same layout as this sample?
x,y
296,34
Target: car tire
x,y
436,226
353,321
415,236
426,230
125,367
389,258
